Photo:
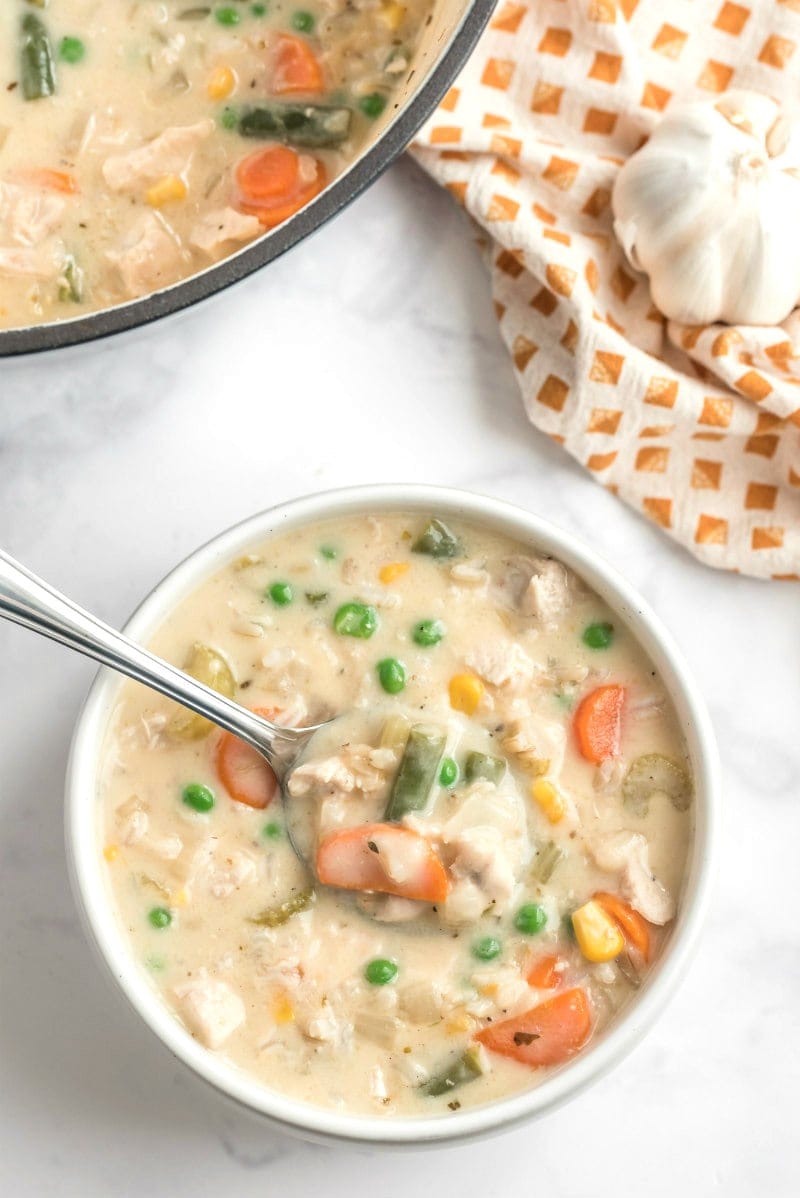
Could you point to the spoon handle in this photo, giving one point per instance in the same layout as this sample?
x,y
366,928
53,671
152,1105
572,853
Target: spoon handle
x,y
31,602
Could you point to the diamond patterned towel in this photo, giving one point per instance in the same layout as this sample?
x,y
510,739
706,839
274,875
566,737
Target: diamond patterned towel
x,y
698,428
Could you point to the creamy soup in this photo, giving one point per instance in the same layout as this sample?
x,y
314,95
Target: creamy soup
x,y
494,832
142,140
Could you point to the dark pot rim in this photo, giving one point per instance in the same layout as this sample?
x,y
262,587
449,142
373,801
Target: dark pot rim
x,y
138,313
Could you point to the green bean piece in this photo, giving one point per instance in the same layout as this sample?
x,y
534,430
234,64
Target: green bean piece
x,y
465,1068
417,771
437,540
275,917
210,667
547,859
70,287
37,63
317,597
355,619
306,125
483,765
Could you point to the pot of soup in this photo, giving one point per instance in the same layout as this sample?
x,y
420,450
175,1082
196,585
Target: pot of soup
x,y
480,884
152,154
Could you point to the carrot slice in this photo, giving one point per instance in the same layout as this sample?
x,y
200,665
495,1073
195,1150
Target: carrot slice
x,y
50,180
272,185
243,772
598,723
633,926
386,858
548,1034
544,974
296,67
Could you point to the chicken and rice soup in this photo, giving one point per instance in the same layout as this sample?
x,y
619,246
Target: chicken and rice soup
x,y
142,140
497,825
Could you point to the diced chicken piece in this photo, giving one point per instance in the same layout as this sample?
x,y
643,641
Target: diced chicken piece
x,y
211,1010
169,847
29,214
411,1070
320,1022
350,570
390,908
379,1028
149,258
504,987
537,742
218,229
422,1002
503,664
627,853
26,263
608,775
537,587
486,844
132,821
168,154
357,769
222,872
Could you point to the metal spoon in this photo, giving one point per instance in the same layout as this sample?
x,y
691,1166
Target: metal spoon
x,y
27,600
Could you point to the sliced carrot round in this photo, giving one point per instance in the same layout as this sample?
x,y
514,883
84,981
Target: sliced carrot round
x,y
296,67
598,723
272,186
547,1034
243,772
385,858
633,926
544,973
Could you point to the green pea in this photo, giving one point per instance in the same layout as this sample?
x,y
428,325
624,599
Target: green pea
x,y
428,632
281,593
71,49
227,16
487,948
379,971
372,105
198,797
355,619
328,552
448,772
598,636
530,919
228,118
258,10
303,21
272,830
392,675
160,917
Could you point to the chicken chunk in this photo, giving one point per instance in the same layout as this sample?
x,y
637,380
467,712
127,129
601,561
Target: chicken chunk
x,y
538,587
168,154
627,853
503,664
357,770
149,259
222,872
486,845
538,743
216,230
18,263
211,1010
29,214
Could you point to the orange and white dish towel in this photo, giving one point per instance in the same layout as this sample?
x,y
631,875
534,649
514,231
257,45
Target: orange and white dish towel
x,y
698,428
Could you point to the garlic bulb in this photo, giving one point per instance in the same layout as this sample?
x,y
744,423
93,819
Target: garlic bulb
x,y
709,209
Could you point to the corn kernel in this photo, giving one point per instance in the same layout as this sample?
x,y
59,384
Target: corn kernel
x,y
179,898
458,1022
598,936
487,989
282,1011
167,189
394,14
221,83
111,852
466,692
549,800
392,571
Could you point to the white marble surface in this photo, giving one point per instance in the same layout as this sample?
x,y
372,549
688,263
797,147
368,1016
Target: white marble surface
x,y
368,354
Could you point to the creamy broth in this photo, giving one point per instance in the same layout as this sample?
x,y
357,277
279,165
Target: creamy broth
x,y
492,896
142,140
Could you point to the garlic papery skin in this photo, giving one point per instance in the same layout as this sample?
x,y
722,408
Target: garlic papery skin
x,y
709,209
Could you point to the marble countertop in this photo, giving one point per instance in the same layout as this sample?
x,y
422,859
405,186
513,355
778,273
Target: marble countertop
x,y
370,353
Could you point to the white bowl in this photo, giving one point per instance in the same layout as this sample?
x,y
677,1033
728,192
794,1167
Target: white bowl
x,y
92,892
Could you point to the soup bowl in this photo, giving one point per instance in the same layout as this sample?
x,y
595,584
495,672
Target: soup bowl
x,y
84,844
444,46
